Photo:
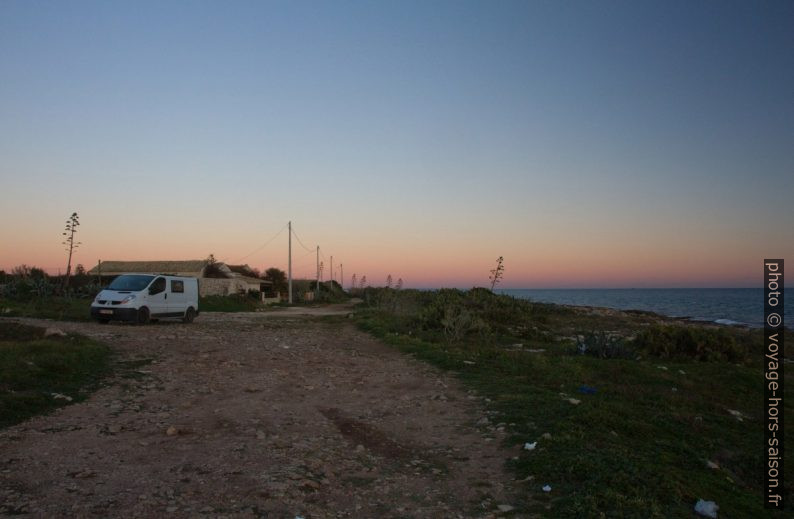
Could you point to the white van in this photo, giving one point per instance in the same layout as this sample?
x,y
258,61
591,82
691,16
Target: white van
x,y
141,297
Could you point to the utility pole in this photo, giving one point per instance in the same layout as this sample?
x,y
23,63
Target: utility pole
x,y
289,284
341,276
332,268
318,274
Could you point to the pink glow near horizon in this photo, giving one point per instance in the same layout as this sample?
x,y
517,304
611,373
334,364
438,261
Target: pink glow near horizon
x,y
581,266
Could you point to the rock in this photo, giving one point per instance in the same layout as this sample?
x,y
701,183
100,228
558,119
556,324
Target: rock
x,y
260,435
546,488
359,448
114,429
505,508
172,431
574,401
530,446
706,508
710,464
54,332
546,436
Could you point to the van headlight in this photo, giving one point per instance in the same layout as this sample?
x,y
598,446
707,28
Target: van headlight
x,y
128,299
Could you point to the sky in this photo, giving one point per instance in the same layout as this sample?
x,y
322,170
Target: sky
x,y
591,144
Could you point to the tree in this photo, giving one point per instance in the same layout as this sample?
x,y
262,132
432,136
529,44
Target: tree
x,y
278,278
496,274
24,272
388,281
245,270
353,283
72,223
213,268
363,282
399,285
79,270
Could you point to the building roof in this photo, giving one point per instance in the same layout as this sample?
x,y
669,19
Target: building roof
x,y
180,268
253,281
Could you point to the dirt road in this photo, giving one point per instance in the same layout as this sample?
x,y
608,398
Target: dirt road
x,y
258,415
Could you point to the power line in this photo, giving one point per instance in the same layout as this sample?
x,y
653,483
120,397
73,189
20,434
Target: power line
x,y
299,241
264,244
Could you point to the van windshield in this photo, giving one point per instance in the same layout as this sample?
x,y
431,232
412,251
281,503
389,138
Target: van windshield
x,y
133,283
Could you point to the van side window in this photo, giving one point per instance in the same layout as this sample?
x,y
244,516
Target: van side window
x,y
177,287
157,286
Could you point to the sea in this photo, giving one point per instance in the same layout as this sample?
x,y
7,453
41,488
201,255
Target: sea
x,y
729,306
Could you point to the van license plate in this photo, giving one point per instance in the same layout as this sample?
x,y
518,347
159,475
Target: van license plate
x,y
106,312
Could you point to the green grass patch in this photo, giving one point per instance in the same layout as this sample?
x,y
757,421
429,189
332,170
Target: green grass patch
x,y
639,446
57,308
39,374
233,303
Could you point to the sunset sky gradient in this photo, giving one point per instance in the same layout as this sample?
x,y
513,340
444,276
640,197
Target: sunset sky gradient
x,y
592,144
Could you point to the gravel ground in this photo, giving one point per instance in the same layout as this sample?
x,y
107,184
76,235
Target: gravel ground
x,y
279,414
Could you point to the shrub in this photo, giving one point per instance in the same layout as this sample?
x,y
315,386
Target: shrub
x,y
603,345
698,343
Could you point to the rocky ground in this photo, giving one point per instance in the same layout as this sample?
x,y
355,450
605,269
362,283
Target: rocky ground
x,y
276,414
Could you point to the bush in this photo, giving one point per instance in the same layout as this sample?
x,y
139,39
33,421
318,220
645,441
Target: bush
x,y
698,343
457,315
603,345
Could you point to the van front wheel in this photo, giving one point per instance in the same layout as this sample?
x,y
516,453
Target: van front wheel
x,y
143,315
190,314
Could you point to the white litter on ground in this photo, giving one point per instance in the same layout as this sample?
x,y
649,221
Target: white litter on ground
x,y
530,446
706,508
737,414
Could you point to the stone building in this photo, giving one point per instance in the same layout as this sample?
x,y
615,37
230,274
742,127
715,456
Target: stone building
x,y
214,278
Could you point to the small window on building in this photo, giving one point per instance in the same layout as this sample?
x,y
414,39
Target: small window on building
x,y
177,287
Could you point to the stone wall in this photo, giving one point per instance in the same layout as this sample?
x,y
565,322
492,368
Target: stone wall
x,y
223,287
215,287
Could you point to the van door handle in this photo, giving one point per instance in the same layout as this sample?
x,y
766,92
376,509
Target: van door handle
x,y
166,295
